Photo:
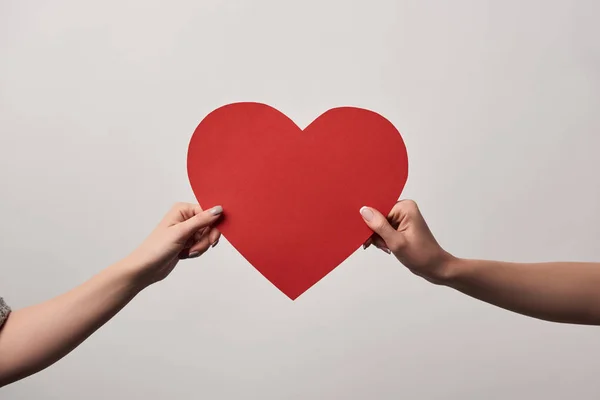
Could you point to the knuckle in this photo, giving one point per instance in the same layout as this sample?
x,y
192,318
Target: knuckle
x,y
178,206
396,244
411,207
411,204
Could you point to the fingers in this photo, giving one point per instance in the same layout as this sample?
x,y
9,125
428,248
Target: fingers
x,y
213,237
378,242
198,235
200,242
404,210
201,220
199,247
180,212
379,224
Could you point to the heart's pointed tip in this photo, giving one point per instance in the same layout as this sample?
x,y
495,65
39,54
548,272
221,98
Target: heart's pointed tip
x,y
293,295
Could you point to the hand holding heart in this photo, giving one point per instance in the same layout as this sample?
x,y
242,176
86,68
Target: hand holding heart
x,y
186,231
407,235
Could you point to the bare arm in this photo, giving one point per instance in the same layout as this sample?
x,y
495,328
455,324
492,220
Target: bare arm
x,y
557,291
33,338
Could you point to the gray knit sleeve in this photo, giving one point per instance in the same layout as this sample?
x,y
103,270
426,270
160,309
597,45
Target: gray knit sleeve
x,y
4,311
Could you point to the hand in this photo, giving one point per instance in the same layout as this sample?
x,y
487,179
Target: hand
x,y
406,234
185,232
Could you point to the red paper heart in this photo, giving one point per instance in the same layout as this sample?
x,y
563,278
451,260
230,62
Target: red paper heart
x,y
291,198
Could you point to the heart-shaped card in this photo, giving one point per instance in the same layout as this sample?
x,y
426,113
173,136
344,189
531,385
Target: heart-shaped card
x,y
291,197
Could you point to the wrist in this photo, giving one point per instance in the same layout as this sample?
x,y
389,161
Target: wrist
x,y
447,269
130,274
453,269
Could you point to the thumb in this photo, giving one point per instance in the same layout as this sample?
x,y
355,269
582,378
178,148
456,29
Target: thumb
x,y
378,224
201,220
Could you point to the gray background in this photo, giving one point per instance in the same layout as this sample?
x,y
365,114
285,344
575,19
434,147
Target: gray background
x,y
497,102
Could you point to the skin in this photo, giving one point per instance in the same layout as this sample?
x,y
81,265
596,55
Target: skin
x,y
33,338
567,292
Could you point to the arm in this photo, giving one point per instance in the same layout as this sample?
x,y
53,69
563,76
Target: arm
x,y
558,291
33,338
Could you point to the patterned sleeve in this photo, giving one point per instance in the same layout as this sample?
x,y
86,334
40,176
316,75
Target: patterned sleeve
x,y
4,311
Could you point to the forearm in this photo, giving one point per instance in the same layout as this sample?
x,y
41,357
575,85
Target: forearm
x,y
35,337
558,291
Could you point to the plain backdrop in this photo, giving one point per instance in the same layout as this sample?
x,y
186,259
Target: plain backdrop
x,y
498,103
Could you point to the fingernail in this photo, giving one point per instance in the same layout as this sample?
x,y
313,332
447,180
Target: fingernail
x,y
366,213
215,243
364,246
194,254
216,210
388,251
